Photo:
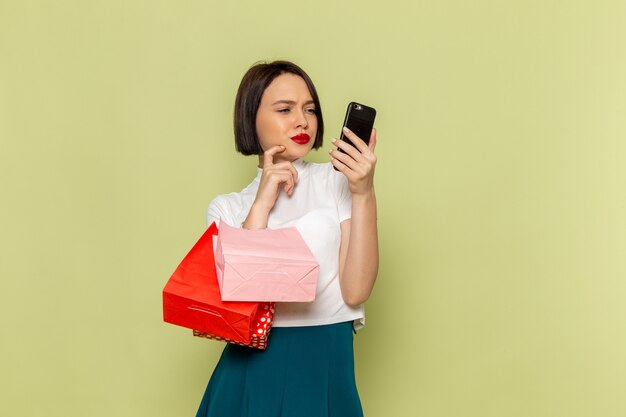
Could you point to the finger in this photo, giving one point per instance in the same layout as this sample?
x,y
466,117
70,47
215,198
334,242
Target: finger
x,y
280,177
347,148
372,144
289,183
357,141
286,165
345,159
341,167
268,155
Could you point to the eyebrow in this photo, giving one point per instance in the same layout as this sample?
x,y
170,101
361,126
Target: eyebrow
x,y
290,102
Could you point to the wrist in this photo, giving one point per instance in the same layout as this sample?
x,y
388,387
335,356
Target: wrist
x,y
257,217
365,195
259,209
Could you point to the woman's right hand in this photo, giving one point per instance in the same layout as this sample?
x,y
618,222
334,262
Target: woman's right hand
x,y
275,176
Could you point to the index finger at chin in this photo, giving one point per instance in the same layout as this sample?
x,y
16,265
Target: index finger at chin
x,y
268,155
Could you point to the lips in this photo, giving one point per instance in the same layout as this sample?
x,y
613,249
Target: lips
x,y
301,139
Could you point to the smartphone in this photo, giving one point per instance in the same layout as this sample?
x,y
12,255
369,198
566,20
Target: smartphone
x,y
360,120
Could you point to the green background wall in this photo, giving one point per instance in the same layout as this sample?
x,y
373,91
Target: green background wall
x,y
501,185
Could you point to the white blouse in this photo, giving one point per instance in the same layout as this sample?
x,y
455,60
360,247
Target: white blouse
x,y
321,200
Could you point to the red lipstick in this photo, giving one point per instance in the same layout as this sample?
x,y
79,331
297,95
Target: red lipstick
x,y
301,139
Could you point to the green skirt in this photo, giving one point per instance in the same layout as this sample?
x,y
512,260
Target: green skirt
x,y
305,372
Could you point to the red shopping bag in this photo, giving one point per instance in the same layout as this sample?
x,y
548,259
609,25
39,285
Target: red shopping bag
x,y
191,298
263,324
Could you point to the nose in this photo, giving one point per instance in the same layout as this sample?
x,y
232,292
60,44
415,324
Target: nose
x,y
301,119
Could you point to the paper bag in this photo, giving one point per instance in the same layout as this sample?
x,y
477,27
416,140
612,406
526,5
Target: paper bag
x,y
264,265
259,336
191,298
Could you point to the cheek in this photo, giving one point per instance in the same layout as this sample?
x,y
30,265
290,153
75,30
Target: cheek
x,y
313,125
264,130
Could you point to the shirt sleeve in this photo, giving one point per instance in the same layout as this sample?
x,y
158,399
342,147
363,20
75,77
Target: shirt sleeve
x,y
218,210
344,196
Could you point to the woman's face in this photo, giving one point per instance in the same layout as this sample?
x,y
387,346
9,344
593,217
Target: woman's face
x,y
287,117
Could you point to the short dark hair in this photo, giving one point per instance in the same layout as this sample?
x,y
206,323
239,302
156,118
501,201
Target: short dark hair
x,y
248,99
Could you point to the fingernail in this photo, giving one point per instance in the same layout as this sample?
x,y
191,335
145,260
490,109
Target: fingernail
x,y
333,140
345,129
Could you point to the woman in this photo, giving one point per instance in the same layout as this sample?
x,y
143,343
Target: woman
x,y
308,367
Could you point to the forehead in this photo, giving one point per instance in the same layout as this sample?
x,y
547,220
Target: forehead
x,y
287,87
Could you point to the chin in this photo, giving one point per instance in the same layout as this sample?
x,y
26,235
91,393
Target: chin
x,y
298,153
301,155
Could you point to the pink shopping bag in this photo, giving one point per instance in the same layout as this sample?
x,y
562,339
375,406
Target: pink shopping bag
x,y
264,265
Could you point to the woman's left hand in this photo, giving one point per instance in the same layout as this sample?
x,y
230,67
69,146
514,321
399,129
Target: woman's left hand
x,y
357,163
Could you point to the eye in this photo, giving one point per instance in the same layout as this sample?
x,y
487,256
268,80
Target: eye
x,y
283,110
311,110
